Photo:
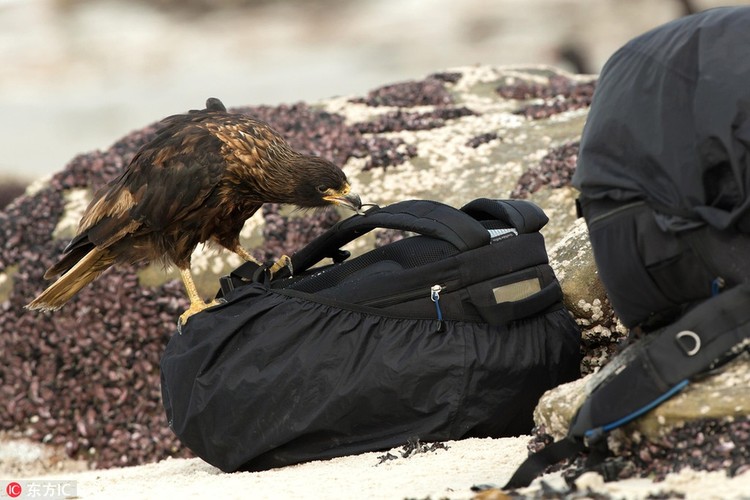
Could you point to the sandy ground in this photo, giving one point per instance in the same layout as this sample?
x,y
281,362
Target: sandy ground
x,y
437,474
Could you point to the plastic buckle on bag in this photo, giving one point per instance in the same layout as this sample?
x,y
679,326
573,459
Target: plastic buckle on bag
x,y
237,278
226,284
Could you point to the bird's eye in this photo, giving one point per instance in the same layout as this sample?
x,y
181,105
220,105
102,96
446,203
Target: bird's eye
x,y
322,189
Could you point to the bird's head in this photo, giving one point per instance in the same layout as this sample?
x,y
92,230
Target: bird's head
x,y
323,183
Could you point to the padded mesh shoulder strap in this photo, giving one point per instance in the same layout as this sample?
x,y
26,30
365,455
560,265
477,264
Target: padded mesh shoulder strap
x,y
428,218
656,368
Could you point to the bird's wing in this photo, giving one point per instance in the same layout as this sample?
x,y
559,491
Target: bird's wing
x,y
170,177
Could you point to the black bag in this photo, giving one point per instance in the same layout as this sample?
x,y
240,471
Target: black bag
x,y
453,332
663,166
662,171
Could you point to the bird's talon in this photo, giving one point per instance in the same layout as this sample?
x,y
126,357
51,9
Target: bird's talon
x,y
284,261
194,309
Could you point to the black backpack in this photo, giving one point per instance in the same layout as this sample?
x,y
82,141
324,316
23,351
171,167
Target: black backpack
x,y
663,166
452,332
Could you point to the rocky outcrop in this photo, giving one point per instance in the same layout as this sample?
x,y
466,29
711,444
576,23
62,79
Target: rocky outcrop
x,y
584,295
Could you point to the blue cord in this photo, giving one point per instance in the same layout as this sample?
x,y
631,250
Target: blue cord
x,y
627,418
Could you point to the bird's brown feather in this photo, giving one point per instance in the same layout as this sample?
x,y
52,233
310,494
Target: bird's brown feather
x,y
83,272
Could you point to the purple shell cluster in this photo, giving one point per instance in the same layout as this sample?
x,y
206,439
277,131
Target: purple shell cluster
x,y
480,139
707,444
559,94
395,121
555,170
428,92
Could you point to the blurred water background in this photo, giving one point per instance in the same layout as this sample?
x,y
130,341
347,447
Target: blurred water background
x,y
76,75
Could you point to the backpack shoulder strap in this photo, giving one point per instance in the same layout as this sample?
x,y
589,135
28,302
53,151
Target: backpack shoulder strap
x,y
428,218
655,369
536,464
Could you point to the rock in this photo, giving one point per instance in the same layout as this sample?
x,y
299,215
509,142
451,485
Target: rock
x,y
558,406
585,297
86,378
573,262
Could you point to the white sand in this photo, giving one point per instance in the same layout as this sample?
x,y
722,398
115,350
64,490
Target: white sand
x,y
437,474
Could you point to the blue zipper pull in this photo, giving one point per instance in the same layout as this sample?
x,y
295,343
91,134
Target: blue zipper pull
x,y
717,285
435,297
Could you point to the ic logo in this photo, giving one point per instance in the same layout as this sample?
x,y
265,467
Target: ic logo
x,y
13,490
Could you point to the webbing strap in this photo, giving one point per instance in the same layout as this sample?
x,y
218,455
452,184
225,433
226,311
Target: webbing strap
x,y
535,464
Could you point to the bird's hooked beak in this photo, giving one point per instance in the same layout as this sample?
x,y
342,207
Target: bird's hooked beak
x,y
345,199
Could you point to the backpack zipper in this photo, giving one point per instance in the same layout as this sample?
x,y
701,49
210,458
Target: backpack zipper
x,y
401,297
435,297
433,294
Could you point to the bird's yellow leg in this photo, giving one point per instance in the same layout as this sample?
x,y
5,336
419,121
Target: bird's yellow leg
x,y
245,254
284,261
197,304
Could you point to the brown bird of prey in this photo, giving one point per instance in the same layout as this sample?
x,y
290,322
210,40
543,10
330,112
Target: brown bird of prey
x,y
203,175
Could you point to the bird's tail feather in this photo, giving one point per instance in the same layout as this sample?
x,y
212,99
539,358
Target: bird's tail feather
x,y
81,274
70,259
